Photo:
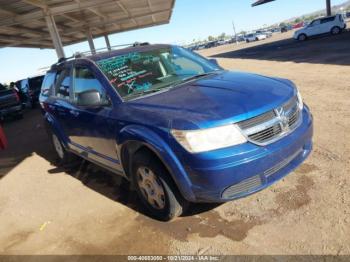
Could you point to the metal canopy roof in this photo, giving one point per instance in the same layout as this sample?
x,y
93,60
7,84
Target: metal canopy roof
x,y
23,24
260,2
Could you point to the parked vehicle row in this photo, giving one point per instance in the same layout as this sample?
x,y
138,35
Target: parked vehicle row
x,y
10,103
179,127
19,96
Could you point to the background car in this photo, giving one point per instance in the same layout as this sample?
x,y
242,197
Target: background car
x,y
326,25
255,37
29,90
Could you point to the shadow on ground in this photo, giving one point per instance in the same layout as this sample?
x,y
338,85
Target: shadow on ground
x,y
27,136
322,50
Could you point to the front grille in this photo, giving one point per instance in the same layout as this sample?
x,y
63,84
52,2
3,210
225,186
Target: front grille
x,y
282,164
244,186
257,120
266,134
272,125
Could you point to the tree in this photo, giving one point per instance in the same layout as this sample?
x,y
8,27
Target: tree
x,y
222,36
283,24
211,38
296,21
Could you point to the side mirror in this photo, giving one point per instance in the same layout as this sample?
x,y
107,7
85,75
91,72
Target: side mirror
x,y
214,61
91,98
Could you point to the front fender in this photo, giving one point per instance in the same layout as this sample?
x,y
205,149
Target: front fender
x,y
155,143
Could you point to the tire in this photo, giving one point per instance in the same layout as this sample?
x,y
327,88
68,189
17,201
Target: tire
x,y
18,116
63,155
256,39
302,37
150,176
335,30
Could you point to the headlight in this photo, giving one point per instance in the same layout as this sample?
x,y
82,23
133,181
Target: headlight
x,y
202,140
300,101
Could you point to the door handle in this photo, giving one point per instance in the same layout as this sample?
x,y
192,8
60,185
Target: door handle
x,y
74,113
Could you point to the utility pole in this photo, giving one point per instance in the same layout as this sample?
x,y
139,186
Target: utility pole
x,y
234,30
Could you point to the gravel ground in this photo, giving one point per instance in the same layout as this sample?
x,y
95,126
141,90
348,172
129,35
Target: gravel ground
x,y
45,209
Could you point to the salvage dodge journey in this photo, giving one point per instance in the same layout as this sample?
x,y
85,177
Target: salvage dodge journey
x,y
179,127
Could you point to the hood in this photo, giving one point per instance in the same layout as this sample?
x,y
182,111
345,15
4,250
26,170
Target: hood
x,y
223,98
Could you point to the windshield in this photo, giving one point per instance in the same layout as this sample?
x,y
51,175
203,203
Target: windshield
x,y
138,73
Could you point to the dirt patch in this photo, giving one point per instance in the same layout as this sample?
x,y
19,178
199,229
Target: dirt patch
x,y
295,198
306,168
209,224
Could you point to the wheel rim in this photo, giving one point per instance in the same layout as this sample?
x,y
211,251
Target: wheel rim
x,y
336,30
302,37
58,146
151,187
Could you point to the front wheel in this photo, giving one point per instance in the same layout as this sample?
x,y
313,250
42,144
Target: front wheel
x,y
64,156
335,30
302,37
155,188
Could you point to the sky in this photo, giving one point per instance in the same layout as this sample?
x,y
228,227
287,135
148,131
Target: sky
x,y
191,19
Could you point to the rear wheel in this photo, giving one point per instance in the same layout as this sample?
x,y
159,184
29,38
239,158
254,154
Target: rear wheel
x,y
155,188
302,37
335,30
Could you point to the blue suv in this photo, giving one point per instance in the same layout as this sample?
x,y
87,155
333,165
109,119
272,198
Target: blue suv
x,y
178,126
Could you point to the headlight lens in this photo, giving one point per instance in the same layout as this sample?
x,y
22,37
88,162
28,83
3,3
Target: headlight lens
x,y
300,101
202,140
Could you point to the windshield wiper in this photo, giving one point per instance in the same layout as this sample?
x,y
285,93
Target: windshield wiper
x,y
198,76
144,92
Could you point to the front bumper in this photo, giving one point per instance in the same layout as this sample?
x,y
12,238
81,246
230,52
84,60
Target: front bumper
x,y
235,172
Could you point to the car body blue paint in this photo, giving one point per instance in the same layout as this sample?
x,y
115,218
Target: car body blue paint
x,y
214,100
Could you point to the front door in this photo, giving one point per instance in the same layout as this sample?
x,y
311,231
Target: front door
x,y
93,130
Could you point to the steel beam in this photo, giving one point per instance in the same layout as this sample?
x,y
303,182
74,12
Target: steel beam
x,y
51,25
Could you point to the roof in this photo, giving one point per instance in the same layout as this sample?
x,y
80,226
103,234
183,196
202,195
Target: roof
x,y
22,22
144,47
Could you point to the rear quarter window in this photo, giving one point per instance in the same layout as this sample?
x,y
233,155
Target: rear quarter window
x,y
327,20
48,84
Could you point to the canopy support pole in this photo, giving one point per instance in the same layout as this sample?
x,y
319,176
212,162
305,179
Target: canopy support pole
x,y
91,42
329,7
108,43
56,39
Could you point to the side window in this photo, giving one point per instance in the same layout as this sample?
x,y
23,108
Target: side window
x,y
48,84
84,80
315,23
63,84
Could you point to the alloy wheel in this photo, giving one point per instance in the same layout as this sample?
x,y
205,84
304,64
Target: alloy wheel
x,y
151,187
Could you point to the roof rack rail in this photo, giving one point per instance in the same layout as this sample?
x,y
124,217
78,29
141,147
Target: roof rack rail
x,y
112,48
97,51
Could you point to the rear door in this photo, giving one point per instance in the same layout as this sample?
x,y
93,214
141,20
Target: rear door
x,y
327,24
